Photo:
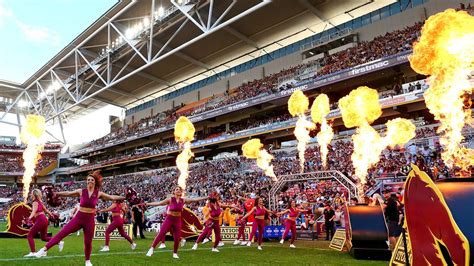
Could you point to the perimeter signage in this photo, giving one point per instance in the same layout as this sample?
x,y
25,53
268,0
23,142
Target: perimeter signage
x,y
339,240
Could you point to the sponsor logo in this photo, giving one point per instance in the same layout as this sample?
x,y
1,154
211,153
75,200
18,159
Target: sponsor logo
x,y
99,232
238,106
290,91
229,233
403,57
368,68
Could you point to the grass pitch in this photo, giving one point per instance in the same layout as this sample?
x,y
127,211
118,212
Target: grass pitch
x,y
306,253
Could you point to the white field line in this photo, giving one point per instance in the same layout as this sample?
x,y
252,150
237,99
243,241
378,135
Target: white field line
x,y
144,252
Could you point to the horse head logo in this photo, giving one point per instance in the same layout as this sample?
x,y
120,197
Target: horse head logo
x,y
17,215
431,226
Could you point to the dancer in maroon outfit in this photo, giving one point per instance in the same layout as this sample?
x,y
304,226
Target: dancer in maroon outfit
x,y
259,222
172,220
213,222
290,222
242,223
40,222
85,218
117,223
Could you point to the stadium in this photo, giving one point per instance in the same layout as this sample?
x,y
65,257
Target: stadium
x,y
247,132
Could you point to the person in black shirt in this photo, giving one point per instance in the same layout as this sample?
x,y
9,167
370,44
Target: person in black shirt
x,y
393,216
329,216
138,218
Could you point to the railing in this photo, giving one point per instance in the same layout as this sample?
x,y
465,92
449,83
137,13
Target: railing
x,y
327,38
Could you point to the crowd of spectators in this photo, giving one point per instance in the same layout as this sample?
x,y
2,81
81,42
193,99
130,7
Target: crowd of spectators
x,y
382,46
254,122
13,162
389,44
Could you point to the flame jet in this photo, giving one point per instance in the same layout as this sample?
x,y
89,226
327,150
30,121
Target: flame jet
x,y
31,136
359,109
253,149
298,104
445,52
319,111
184,133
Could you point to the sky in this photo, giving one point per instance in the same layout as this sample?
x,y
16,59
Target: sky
x,y
33,31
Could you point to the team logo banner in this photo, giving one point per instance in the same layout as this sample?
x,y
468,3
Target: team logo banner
x,y
99,232
17,215
434,235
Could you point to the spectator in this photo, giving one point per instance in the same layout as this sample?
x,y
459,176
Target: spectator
x,y
329,216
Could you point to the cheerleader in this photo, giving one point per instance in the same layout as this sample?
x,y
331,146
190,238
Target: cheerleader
x,y
259,222
117,223
212,222
290,222
40,222
242,223
162,240
173,219
85,217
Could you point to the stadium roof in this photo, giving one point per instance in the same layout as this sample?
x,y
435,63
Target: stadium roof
x,y
114,61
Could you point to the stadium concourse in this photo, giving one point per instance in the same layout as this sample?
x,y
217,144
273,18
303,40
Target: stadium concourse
x,y
230,67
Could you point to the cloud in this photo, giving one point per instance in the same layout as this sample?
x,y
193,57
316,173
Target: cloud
x,y
39,34
32,33
5,13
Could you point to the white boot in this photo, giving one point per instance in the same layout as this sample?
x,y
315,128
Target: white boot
x,y
205,240
195,246
183,242
41,253
292,246
31,254
150,252
175,256
88,263
134,246
221,244
243,243
249,243
61,246
281,241
236,242
214,250
259,247
162,245
105,249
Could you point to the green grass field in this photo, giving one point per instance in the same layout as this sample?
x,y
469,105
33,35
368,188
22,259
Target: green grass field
x,y
306,253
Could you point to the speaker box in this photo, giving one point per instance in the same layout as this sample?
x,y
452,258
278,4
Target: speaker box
x,y
367,233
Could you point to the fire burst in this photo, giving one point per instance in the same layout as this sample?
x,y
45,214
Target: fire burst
x,y
359,109
253,149
184,133
319,111
31,136
445,52
298,104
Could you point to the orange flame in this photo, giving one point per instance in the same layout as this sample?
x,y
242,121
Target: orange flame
x,y
445,52
319,111
298,104
399,132
31,136
184,133
253,149
359,109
